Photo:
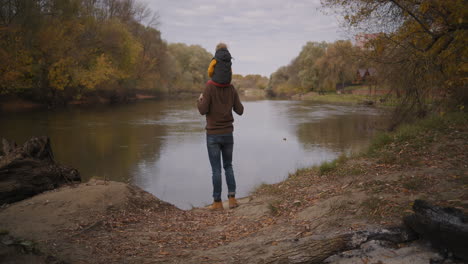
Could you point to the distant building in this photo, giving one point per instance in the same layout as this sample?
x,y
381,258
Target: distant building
x,y
365,75
361,40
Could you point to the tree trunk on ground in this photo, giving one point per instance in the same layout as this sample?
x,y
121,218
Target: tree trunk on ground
x,y
445,228
30,169
317,250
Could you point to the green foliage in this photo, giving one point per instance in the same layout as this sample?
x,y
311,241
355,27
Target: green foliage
x,y
413,133
250,81
301,75
379,141
308,72
318,67
327,167
300,172
190,65
330,166
337,98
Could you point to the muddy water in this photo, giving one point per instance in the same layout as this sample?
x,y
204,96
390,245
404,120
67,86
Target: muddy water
x,y
160,145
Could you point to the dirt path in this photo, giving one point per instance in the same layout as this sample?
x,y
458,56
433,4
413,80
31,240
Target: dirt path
x,y
110,222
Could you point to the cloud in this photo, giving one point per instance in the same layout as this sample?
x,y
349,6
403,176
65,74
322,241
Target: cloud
x,y
262,35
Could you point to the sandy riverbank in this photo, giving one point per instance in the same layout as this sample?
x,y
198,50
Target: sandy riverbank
x,y
110,222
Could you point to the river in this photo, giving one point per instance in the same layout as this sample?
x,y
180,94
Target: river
x,y
160,145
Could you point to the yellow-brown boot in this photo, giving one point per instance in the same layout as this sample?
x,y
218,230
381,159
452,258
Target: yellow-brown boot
x,y
216,206
232,202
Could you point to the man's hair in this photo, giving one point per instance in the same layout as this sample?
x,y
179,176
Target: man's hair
x,y
221,46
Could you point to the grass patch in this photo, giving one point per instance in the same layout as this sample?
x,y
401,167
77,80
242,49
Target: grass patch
x,y
274,208
381,100
414,135
327,167
356,87
380,140
330,166
434,122
338,98
390,101
365,88
267,189
300,172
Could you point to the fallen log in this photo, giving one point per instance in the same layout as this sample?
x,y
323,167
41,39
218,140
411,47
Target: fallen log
x,y
31,169
445,227
310,250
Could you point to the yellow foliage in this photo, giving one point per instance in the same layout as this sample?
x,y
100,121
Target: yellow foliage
x,y
121,47
424,7
101,71
16,63
59,74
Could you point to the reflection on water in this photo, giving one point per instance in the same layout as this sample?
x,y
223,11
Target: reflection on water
x,y
160,145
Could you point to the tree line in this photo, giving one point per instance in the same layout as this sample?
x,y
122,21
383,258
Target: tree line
x,y
57,51
320,66
249,81
418,49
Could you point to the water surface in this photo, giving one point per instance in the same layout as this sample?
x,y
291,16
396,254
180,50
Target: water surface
x,y
161,145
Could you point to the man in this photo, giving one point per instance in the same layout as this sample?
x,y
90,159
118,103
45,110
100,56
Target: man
x,y
217,102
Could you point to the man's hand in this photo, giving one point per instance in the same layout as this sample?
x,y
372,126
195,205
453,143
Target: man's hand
x,y
200,97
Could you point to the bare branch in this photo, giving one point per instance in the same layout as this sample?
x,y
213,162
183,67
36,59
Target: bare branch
x,y
414,17
154,22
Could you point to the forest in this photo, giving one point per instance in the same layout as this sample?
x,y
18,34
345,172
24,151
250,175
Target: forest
x,y
58,51
320,66
317,181
417,49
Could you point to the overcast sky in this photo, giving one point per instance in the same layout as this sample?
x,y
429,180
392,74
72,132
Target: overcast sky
x,y
262,35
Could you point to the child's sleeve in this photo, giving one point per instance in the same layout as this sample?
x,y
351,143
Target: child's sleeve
x,y
211,67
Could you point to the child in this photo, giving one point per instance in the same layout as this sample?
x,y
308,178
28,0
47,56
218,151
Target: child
x,y
220,67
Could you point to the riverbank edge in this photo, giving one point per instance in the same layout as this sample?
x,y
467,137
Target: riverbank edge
x,y
377,151
14,103
403,133
362,99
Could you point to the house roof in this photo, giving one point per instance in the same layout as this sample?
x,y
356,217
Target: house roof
x,y
370,71
362,72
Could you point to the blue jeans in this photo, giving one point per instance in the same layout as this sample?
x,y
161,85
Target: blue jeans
x,y
221,146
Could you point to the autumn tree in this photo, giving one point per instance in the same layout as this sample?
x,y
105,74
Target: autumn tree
x,y
308,73
56,51
189,66
302,74
338,65
421,48
253,81
17,63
